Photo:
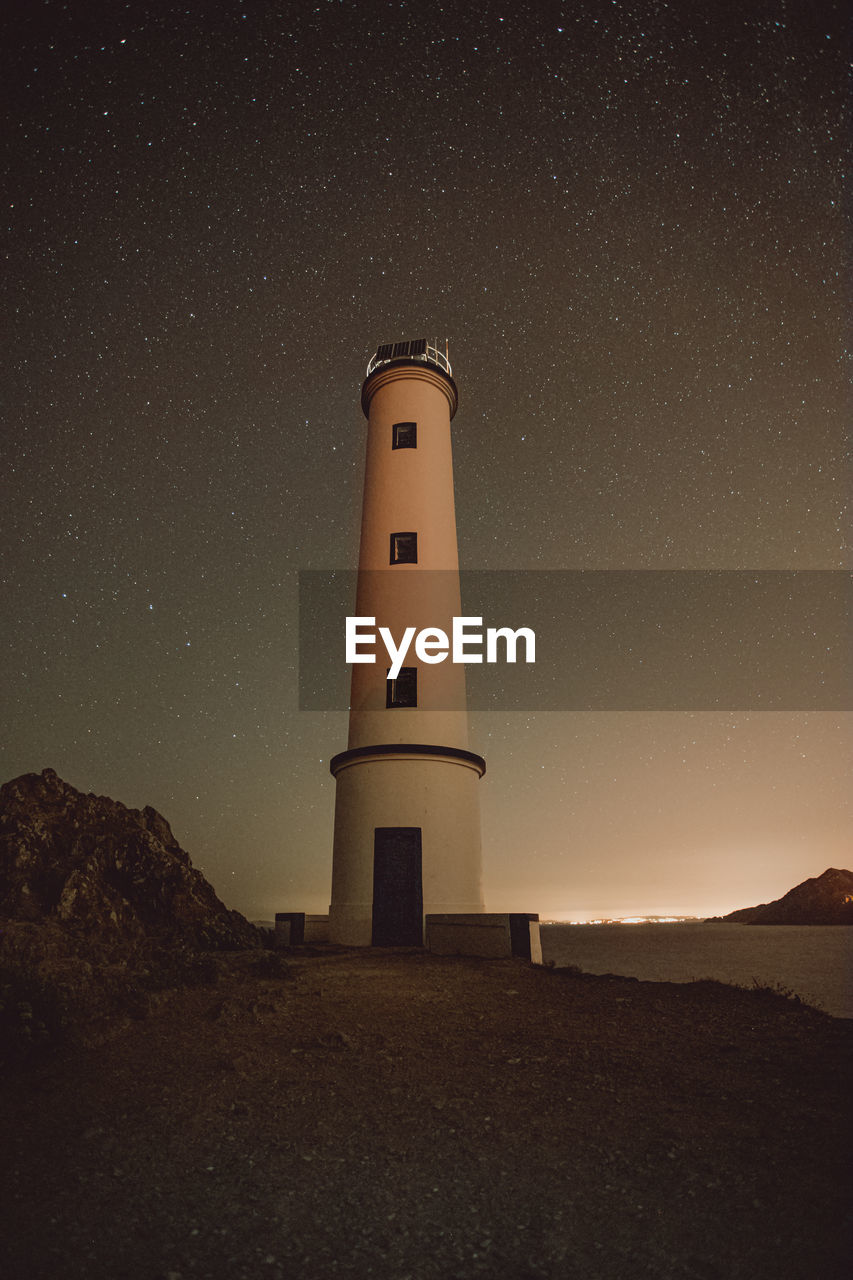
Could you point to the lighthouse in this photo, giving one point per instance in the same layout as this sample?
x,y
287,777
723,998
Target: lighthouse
x,y
407,814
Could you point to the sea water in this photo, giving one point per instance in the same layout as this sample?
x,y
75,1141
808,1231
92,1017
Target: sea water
x,y
813,961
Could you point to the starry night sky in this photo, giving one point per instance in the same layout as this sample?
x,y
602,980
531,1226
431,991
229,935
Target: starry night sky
x,y
625,218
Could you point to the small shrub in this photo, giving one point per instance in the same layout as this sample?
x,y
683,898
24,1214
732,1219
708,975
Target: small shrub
x,y
31,1020
774,989
170,967
270,965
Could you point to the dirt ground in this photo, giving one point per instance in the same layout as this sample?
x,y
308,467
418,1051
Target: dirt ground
x,y
396,1114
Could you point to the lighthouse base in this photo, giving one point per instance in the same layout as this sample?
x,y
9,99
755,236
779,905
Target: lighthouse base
x,y
353,925
407,843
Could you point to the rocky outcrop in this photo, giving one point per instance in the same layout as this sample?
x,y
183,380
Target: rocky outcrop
x,y
94,867
825,899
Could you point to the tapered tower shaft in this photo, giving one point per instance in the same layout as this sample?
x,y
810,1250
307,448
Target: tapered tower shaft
x,y
407,820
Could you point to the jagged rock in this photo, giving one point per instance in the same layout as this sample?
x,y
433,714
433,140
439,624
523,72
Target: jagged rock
x,y
101,912
824,899
96,867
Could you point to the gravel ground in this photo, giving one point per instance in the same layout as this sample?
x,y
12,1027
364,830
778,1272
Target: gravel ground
x,y
401,1115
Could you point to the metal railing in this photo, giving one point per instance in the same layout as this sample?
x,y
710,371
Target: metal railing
x,y
419,350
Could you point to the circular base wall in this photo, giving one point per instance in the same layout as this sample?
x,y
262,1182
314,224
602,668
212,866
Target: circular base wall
x,y
406,844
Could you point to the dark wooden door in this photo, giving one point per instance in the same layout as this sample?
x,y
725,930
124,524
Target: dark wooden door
x,y
398,900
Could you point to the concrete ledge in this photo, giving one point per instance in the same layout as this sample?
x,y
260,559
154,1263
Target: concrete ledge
x,y
488,934
405,751
316,928
293,928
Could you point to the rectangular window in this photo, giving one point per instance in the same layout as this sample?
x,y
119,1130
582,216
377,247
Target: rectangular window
x,y
402,692
404,548
405,435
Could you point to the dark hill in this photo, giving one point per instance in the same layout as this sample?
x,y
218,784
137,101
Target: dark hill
x,y
825,899
100,911
97,867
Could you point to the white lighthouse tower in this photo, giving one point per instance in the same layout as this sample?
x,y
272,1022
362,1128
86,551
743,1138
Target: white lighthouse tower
x,y
407,814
